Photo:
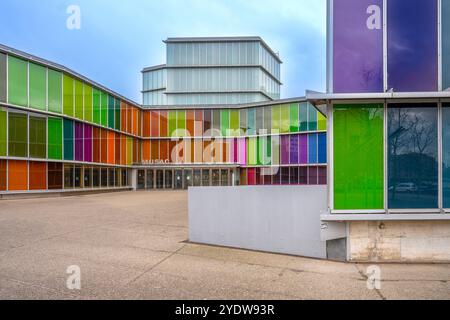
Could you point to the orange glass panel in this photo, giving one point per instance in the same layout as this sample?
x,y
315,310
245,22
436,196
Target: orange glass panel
x,y
17,175
163,123
198,124
180,151
225,153
188,147
146,124
2,175
104,146
139,119
123,150
146,155
135,121
129,119
172,151
38,175
198,151
207,151
164,150
123,116
154,119
155,150
111,147
136,151
96,144
190,117
117,147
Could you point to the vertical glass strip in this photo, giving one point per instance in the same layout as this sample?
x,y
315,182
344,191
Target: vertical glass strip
x,y
17,81
68,99
38,86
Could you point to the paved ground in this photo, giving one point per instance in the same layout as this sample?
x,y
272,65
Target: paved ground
x,y
132,245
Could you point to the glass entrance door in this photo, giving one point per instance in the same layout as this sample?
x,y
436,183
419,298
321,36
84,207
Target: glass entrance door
x,y
187,178
140,179
168,179
150,179
178,179
197,178
215,174
205,178
224,179
159,179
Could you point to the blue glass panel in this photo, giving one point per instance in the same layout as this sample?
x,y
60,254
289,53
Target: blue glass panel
x,y
68,139
412,156
322,147
312,148
446,154
412,45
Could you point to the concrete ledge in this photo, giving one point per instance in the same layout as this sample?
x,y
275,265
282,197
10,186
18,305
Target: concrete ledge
x,y
385,217
56,194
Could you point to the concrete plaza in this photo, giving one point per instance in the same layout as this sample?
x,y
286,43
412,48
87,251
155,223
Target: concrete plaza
x,y
133,245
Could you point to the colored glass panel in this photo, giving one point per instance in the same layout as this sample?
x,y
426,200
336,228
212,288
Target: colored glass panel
x,y
79,112
251,151
198,124
312,118
18,134
312,148
111,146
38,137
303,149
17,81
111,108
275,150
172,123
284,119
3,134
224,122
38,175
129,119
68,98
190,117
3,80
78,141
293,149
3,164
322,147
164,150
207,123
96,145
216,123
321,122
446,154
117,115
38,86
146,124
103,109
234,122
268,119
412,46
68,139
87,142
276,119
358,46
123,150
243,121
259,120
54,91
55,175
154,124
284,150
129,151
17,175
88,106
96,97
293,115
358,157
117,148
412,156
303,116
123,116
445,22
251,125
103,146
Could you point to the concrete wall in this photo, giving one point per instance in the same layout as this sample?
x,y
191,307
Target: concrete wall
x,y
283,219
399,241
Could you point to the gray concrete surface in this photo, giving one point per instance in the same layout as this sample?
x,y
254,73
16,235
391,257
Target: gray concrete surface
x,y
131,245
279,219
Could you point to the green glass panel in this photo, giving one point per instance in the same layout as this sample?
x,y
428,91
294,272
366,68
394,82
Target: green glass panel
x,y
17,81
321,122
3,135
111,108
303,116
276,125
87,102
216,123
251,129
38,137
275,150
234,122
38,86
358,157
18,134
284,118
243,122
312,118
55,138
68,99
293,110
252,149
117,119
3,77
224,121
96,105
181,122
172,123
68,139
79,112
264,150
54,91
104,109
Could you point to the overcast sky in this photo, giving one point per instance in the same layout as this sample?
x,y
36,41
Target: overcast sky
x,y
118,38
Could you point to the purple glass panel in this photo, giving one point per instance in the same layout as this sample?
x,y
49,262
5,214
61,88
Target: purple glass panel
x,y
78,141
303,149
412,45
294,149
87,143
284,149
235,150
358,46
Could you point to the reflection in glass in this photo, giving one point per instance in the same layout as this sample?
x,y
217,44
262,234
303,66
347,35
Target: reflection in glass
x,y
215,174
412,156
178,179
159,179
205,178
224,177
187,178
140,180
149,179
197,178
168,179
446,155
